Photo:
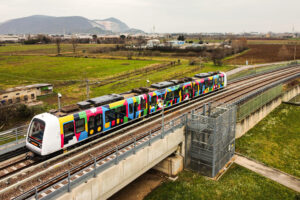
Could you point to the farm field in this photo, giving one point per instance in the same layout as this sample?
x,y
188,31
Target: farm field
x,y
272,41
275,140
68,74
236,183
47,49
264,53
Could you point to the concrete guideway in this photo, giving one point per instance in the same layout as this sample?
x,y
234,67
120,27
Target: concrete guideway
x,y
245,67
271,173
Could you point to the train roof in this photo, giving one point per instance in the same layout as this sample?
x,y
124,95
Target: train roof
x,y
204,75
106,99
162,85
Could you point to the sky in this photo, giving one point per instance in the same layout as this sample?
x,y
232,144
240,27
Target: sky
x,y
168,16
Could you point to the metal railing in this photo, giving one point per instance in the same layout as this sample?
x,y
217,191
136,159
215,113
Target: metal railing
x,y
99,163
255,93
253,104
12,137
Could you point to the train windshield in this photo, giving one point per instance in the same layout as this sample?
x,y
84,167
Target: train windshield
x,y
36,130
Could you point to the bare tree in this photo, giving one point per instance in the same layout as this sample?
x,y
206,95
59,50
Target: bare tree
x,y
74,42
283,52
58,43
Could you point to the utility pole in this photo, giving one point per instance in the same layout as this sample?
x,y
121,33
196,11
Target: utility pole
x,y
295,51
87,89
58,98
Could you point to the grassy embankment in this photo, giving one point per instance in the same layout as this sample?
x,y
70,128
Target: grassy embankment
x,y
237,183
275,140
255,70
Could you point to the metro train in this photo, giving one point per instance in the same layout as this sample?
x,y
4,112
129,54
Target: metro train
x,y
49,133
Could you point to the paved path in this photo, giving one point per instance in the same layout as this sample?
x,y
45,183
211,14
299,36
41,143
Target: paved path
x,y
244,67
276,175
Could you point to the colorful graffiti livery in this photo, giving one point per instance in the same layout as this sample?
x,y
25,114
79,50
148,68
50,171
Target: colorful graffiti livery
x,y
56,133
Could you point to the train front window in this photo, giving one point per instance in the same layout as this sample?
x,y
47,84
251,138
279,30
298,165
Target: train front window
x,y
37,129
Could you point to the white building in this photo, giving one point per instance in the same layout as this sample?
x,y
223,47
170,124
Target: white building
x,y
153,43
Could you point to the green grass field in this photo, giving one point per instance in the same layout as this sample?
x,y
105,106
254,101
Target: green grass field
x,y
42,49
68,74
275,140
288,41
238,183
16,70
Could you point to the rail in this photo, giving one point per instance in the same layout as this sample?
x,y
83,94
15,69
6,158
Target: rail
x,y
96,165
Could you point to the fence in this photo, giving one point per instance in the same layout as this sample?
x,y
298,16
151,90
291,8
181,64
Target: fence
x,y
210,140
257,102
12,139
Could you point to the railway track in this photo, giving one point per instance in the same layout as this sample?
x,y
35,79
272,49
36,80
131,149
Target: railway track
x,y
121,139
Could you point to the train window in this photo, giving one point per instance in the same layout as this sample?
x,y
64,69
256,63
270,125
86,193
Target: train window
x,y
170,96
136,106
98,119
201,85
107,113
68,129
196,87
37,129
153,100
91,122
32,96
130,108
206,83
123,110
79,125
118,112
143,104
210,83
176,93
25,98
112,115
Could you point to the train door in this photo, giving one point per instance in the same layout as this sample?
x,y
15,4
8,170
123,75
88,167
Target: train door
x,y
190,91
95,124
136,109
143,106
68,131
196,89
200,88
152,103
130,109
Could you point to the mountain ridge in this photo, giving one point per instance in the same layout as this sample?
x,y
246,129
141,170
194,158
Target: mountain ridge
x,y
43,24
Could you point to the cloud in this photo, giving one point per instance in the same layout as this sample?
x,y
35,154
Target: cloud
x,y
170,15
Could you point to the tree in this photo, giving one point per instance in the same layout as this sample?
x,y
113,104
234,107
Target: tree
x,y
217,56
74,42
94,38
181,38
58,47
122,37
283,52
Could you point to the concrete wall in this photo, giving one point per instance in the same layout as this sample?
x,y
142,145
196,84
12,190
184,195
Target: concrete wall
x,y
246,124
118,176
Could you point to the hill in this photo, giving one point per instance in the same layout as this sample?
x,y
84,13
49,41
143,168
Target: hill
x,y
64,25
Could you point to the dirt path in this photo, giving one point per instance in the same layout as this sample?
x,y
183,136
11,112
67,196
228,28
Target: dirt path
x,y
271,173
